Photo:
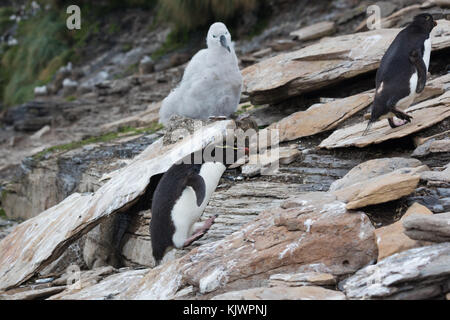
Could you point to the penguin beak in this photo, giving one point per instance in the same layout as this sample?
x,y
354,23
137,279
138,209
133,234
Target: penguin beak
x,y
435,23
223,42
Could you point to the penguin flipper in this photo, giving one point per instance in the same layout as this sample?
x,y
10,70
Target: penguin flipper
x,y
198,184
418,62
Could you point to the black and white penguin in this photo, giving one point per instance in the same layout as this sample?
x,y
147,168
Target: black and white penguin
x,y
182,195
403,72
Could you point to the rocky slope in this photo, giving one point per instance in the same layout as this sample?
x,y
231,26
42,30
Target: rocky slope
x,y
340,218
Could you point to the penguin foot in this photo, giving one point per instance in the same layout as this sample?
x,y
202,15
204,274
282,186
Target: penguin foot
x,y
201,231
402,115
395,123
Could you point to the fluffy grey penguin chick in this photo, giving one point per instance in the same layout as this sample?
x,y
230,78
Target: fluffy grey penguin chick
x,y
211,84
403,72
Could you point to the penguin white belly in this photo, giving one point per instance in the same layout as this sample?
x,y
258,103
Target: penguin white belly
x,y
185,212
427,52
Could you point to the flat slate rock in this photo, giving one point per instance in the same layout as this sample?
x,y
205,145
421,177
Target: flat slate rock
x,y
435,228
302,279
432,146
37,242
425,114
321,117
283,293
324,63
378,181
418,273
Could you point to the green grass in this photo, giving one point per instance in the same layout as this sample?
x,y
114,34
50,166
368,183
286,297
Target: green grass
x,y
122,132
42,50
191,14
5,23
2,213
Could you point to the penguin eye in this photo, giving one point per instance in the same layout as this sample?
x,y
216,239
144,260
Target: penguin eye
x,y
428,18
214,36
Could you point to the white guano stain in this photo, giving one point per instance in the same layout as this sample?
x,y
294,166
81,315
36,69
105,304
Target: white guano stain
x,y
308,223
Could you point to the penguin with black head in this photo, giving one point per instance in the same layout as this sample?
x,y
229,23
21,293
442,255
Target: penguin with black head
x,y
403,72
183,193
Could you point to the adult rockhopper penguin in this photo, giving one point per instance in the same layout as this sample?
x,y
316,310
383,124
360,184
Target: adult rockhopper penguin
x,y
182,195
403,72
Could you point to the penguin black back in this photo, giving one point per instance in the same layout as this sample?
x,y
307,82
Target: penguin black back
x,y
398,65
396,59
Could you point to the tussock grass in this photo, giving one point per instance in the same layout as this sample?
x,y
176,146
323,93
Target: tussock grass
x,y
41,51
191,14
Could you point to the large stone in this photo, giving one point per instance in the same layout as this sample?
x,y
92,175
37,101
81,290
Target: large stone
x,y
40,240
378,181
281,241
418,273
241,203
322,117
373,168
425,114
435,228
315,31
437,178
324,63
385,188
283,293
391,239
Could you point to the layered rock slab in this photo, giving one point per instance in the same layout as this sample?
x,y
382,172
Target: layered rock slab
x,y
417,273
435,228
378,181
37,242
322,117
324,63
283,293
